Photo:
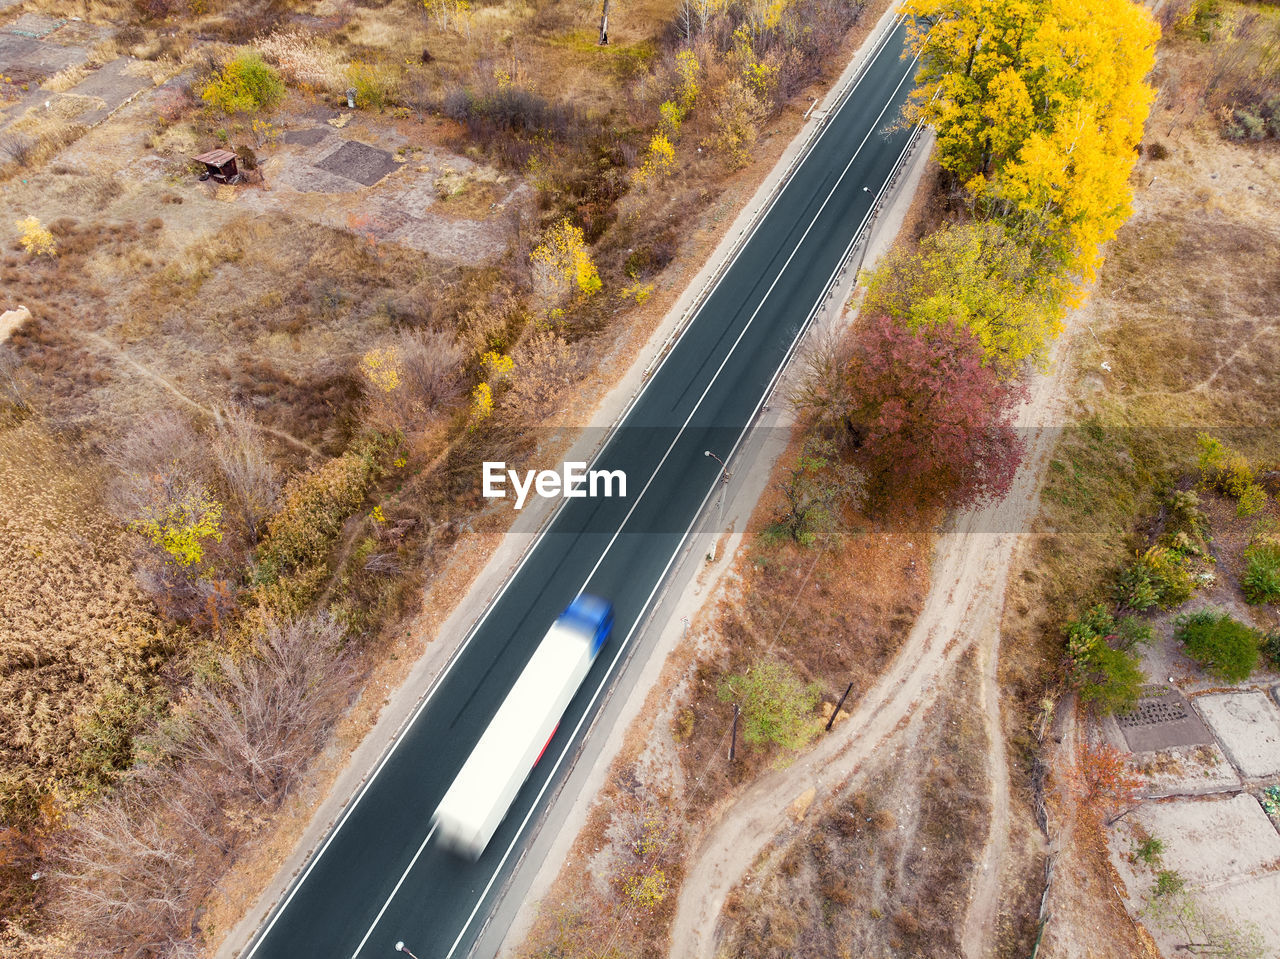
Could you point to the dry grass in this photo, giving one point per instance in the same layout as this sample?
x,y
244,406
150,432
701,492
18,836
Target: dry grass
x,y
885,868
77,637
1183,313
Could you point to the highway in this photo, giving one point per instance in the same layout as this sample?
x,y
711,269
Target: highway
x,y
378,877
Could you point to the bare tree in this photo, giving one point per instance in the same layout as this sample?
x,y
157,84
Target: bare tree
x,y
160,456
124,882
545,369
822,393
127,877
253,730
11,391
252,479
431,371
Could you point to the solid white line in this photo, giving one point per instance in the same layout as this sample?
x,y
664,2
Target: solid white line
x,y
669,346
662,577
457,654
403,876
763,300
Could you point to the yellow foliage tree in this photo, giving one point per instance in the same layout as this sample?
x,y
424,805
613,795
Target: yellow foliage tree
x,y
564,257
497,366
482,401
659,160
381,369
735,120
670,116
35,239
976,276
687,71
1038,106
181,525
647,891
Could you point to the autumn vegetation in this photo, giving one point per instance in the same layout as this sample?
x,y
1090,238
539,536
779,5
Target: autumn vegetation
x,y
235,445
1163,487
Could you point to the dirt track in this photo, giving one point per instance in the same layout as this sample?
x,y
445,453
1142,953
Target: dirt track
x,y
963,607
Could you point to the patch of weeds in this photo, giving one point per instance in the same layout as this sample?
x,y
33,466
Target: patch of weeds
x,y
1169,882
1225,647
1261,579
1150,850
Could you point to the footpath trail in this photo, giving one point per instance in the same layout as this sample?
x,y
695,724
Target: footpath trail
x,y
962,610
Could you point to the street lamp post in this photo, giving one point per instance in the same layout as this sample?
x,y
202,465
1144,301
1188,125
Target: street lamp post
x,y
401,947
724,479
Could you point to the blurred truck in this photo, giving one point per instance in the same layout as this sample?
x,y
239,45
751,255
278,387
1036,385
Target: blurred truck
x,y
521,729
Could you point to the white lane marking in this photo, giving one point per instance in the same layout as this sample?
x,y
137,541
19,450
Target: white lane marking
x,y
763,300
763,214
604,683
403,876
400,734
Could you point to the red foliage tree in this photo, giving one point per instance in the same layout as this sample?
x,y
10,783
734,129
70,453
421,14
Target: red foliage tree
x,y
931,422
1103,784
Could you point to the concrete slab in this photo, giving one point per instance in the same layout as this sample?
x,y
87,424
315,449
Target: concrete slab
x,y
28,60
112,85
1254,902
360,162
1213,841
1247,723
34,25
1187,771
1162,719
308,137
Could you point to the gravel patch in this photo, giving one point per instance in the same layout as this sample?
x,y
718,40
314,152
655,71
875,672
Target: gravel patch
x,y
360,162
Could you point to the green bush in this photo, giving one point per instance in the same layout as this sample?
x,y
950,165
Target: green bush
x,y
1107,677
776,704
1113,681
1159,577
1270,646
244,85
1225,647
1261,580
1135,588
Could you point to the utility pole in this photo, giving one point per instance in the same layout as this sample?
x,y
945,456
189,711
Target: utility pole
x,y
724,479
604,24
733,734
836,712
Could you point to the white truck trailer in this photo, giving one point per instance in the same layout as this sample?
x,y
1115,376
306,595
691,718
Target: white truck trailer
x,y
521,729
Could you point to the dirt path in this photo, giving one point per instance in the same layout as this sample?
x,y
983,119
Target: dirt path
x,y
209,411
969,572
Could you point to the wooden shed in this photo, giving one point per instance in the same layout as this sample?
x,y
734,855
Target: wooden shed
x,y
220,166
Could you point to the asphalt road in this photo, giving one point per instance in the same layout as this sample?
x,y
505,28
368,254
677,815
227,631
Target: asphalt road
x,y
378,877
